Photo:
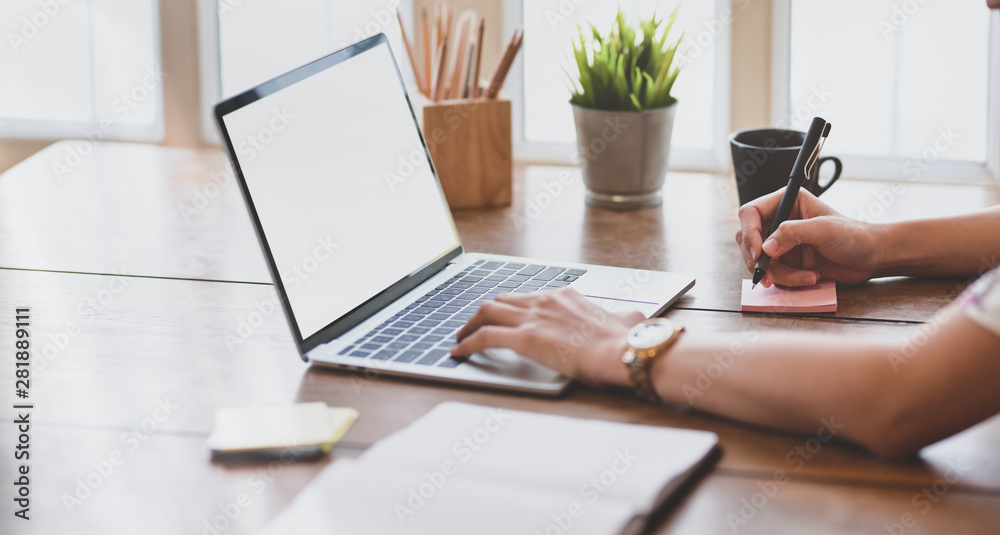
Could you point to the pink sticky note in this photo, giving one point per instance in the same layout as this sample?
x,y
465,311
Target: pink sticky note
x,y
820,297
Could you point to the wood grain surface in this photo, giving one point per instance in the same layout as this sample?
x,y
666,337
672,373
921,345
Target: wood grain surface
x,y
144,322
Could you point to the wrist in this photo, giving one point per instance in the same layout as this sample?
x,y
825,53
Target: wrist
x,y
883,250
895,252
613,372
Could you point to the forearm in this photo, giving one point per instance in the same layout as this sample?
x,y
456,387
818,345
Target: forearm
x,y
893,395
782,380
955,246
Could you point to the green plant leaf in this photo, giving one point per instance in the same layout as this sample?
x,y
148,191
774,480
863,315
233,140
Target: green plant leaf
x,y
632,67
649,101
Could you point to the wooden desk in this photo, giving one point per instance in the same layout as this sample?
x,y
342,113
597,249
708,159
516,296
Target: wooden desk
x,y
140,266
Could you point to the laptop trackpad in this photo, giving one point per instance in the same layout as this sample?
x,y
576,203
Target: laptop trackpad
x,y
508,363
617,306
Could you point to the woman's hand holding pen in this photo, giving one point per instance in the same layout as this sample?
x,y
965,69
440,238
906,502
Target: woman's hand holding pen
x,y
815,243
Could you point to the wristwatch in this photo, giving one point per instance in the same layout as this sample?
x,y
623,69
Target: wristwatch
x,y
646,342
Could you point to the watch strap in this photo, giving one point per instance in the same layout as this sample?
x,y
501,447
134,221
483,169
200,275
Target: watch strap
x,y
640,364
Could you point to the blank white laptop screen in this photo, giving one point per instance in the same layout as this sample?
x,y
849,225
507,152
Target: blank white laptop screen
x,y
342,187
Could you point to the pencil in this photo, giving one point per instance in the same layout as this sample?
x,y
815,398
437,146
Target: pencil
x,y
409,51
447,19
467,83
442,53
426,27
438,17
456,83
474,87
496,82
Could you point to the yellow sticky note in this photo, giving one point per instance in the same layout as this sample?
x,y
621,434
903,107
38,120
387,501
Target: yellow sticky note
x,y
275,427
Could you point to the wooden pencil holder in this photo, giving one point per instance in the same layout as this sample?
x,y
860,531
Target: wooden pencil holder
x,y
470,143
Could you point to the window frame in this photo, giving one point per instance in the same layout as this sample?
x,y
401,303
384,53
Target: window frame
x,y
43,129
715,159
209,69
889,168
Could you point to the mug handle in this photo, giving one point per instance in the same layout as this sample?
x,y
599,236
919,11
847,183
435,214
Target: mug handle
x,y
818,188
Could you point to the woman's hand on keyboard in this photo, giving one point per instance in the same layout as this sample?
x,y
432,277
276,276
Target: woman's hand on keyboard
x,y
560,329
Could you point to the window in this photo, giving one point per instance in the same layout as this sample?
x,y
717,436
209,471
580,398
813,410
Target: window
x,y
906,84
543,116
245,43
81,69
910,86
256,41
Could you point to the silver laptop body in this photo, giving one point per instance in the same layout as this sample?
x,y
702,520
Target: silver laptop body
x,y
359,238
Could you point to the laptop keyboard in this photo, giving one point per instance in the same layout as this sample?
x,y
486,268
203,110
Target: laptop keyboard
x,y
425,330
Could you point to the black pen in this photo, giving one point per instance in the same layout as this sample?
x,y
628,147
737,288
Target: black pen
x,y
808,154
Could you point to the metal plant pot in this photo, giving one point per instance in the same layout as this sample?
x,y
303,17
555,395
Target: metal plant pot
x,y
624,155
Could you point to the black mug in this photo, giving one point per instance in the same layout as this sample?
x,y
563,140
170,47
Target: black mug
x,y
763,159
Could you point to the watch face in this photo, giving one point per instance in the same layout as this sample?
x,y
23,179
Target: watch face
x,y
650,335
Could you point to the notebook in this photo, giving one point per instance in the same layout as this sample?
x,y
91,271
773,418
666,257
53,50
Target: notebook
x,y
464,469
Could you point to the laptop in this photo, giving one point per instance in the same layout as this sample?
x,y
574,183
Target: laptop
x,y
360,241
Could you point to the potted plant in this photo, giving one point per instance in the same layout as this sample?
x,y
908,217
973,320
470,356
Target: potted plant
x,y
624,111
